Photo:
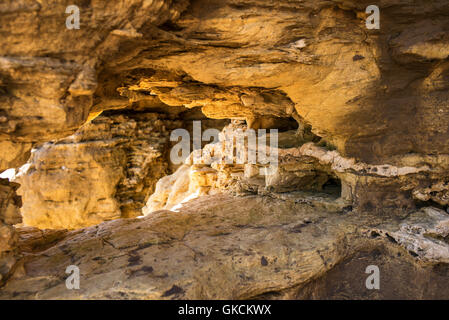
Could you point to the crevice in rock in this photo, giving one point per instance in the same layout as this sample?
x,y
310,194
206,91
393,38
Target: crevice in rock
x,y
429,203
332,186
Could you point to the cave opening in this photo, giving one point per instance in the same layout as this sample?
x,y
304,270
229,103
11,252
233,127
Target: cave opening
x,y
430,203
333,187
111,166
86,120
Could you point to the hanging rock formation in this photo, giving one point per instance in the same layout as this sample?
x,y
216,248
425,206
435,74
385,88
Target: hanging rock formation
x,y
301,165
362,174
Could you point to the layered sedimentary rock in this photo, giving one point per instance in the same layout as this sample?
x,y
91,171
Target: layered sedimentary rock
x,y
355,87
105,171
10,203
91,176
372,115
241,161
224,247
374,93
234,164
48,73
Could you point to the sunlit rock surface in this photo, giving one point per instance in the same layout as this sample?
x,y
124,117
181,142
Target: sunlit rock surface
x,y
221,247
363,121
105,171
301,165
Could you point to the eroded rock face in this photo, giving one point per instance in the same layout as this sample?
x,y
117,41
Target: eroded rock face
x,y
9,215
172,255
302,165
374,94
48,74
222,247
233,164
372,115
87,178
105,171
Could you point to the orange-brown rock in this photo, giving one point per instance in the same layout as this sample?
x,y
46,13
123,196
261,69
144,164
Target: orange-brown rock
x,y
9,215
363,172
222,247
105,171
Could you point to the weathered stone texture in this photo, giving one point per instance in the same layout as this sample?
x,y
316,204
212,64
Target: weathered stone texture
x,y
363,167
221,247
9,215
105,171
